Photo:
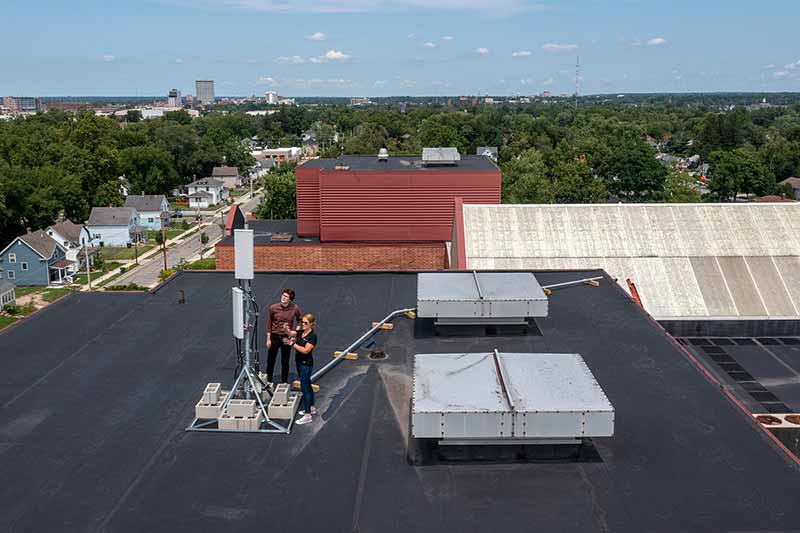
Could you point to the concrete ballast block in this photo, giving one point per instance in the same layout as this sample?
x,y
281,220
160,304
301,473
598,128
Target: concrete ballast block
x,y
211,393
227,423
284,411
241,408
281,394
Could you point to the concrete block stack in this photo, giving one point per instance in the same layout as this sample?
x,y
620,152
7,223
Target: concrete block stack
x,y
210,405
284,403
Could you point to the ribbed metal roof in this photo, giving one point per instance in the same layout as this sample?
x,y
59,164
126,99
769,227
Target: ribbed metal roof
x,y
687,260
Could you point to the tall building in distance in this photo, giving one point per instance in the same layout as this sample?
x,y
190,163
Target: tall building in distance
x,y
174,98
205,91
271,97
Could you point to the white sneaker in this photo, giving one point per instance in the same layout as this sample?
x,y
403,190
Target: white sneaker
x,y
305,419
313,411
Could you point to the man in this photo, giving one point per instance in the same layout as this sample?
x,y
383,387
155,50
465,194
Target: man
x,y
281,319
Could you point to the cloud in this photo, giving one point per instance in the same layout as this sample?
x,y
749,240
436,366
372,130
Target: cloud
x,y
290,60
408,84
447,38
336,55
520,53
781,74
655,41
179,60
267,80
442,83
379,83
792,66
482,51
548,82
108,58
318,82
412,35
770,66
429,45
557,47
318,36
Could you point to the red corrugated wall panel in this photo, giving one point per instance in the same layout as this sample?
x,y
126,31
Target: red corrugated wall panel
x,y
307,190
398,206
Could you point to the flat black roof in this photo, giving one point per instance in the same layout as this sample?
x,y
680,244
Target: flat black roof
x,y
98,388
368,162
263,230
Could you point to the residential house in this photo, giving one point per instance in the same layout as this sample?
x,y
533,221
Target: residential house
x,y
114,226
35,259
153,209
76,241
794,183
227,175
7,295
488,151
206,192
280,155
262,167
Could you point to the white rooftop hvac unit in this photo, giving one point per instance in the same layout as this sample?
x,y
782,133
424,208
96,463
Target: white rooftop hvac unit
x,y
507,398
472,298
383,154
440,156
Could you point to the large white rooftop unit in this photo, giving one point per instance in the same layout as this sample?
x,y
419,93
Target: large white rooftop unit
x,y
440,156
507,398
466,298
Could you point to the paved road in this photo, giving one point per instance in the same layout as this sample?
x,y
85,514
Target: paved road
x,y
146,274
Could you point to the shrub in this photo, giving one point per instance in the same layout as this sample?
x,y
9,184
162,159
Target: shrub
x,y
165,274
128,287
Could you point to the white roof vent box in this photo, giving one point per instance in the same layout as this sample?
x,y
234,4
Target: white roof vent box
x,y
440,156
383,155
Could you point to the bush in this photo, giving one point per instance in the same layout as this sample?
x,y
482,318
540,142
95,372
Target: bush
x,y
12,309
204,238
202,264
184,225
165,274
128,287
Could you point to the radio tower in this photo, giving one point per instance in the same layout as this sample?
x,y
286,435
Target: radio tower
x,y
577,79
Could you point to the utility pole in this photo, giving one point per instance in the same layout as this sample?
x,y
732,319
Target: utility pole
x,y
164,244
86,259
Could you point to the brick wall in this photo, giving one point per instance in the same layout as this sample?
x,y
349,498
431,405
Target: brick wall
x,y
341,256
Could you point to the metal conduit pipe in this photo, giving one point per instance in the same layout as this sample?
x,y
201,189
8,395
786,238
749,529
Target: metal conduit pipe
x,y
574,282
319,373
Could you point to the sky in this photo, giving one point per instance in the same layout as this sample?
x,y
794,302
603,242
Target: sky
x,y
397,47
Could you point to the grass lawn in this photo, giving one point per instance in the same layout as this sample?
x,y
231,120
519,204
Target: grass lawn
x,y
121,253
6,320
171,232
201,264
24,291
51,295
241,191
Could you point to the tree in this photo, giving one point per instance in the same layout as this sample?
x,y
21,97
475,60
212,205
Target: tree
x,y
149,169
735,171
525,179
279,196
680,188
107,195
633,173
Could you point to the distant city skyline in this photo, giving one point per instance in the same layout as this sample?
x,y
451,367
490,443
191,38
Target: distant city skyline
x,y
398,47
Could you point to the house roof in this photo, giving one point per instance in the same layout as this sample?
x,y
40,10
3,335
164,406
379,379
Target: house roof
x,y
41,242
207,182
68,229
145,202
793,181
110,216
227,172
483,149
684,457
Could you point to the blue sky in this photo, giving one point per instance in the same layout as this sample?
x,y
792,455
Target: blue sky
x,y
397,47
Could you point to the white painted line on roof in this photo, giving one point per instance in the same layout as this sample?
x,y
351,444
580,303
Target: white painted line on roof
x,y
758,291
783,282
725,281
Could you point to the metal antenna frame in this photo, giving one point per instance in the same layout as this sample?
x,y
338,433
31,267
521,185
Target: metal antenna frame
x,y
246,379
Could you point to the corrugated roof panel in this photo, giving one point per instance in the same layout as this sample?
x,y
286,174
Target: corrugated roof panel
x,y
740,283
776,237
746,224
770,286
683,285
716,296
789,269
789,222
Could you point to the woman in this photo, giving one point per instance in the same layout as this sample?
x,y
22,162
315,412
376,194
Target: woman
x,y
304,341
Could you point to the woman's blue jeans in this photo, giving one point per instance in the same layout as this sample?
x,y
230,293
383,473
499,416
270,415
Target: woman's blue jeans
x,y
305,386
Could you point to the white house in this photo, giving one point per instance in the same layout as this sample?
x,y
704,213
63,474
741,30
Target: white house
x,y
227,175
153,209
73,238
280,155
114,226
206,192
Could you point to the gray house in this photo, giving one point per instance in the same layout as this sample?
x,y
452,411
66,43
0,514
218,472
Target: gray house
x,y
794,183
227,175
114,226
153,209
34,259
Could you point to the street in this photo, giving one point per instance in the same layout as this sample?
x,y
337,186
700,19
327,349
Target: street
x,y
146,274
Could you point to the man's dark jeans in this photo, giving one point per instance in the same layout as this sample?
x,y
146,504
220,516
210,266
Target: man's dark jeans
x,y
272,356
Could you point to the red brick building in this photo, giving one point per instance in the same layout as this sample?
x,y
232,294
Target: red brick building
x,y
398,199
